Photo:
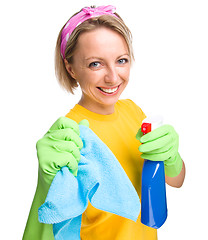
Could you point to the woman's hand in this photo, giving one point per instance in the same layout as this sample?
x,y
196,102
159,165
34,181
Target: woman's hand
x,y
60,147
162,145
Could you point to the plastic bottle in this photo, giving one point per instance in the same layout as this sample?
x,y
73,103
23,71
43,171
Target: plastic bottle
x,y
153,192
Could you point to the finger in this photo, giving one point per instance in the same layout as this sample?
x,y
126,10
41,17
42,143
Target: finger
x,y
84,122
68,147
63,123
157,133
66,135
73,168
67,159
152,157
56,160
139,134
163,156
156,144
160,150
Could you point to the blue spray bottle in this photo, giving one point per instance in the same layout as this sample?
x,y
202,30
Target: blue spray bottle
x,y
153,192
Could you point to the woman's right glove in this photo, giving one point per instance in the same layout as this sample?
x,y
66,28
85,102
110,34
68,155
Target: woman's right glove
x,y
60,147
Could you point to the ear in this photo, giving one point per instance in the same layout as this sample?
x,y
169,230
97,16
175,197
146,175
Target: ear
x,y
69,68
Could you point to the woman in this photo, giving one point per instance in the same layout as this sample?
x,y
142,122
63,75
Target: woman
x,y
94,51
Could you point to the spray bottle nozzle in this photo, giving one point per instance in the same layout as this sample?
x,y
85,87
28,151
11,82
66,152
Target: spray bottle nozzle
x,y
146,127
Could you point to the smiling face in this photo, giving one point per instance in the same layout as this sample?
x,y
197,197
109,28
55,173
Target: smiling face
x,y
101,66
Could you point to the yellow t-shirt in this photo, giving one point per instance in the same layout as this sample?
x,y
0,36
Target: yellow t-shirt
x,y
118,132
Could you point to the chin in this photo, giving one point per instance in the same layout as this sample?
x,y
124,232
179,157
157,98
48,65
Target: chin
x,y
109,102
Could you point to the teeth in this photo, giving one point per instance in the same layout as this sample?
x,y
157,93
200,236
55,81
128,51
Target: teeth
x,y
109,90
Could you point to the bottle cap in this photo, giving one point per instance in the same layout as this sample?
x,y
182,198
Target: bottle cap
x,y
155,121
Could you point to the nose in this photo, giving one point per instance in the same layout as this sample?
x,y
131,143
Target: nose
x,y
111,76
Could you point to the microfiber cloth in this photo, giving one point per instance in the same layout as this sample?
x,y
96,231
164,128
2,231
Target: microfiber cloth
x,y
100,180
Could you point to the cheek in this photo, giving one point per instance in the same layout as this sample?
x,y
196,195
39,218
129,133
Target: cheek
x,y
87,82
91,79
124,73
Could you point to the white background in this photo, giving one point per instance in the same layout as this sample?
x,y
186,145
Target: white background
x,y
169,77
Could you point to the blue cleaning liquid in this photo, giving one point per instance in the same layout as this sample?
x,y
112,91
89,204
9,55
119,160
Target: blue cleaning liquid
x,y
153,194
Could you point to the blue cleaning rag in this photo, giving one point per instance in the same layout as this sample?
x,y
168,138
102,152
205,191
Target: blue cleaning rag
x,y
100,179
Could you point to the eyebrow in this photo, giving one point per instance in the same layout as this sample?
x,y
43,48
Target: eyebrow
x,y
93,57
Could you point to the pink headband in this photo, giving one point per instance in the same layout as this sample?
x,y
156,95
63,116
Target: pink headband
x,y
79,18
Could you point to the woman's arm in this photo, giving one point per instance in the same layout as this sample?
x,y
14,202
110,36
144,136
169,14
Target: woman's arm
x,y
178,180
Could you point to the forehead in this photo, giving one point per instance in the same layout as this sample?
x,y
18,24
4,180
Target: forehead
x,y
101,41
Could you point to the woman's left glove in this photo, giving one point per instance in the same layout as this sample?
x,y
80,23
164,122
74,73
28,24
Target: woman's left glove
x,y
162,145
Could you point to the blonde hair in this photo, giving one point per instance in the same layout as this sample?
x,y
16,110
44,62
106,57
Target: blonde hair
x,y
111,22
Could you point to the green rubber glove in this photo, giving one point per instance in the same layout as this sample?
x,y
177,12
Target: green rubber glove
x,y
162,145
60,147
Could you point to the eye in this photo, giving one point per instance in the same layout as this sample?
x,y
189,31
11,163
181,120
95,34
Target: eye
x,y
123,61
95,65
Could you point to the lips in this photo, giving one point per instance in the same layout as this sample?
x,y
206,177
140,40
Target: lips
x,y
109,90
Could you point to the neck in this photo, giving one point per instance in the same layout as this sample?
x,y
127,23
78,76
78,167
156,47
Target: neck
x,y
97,107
